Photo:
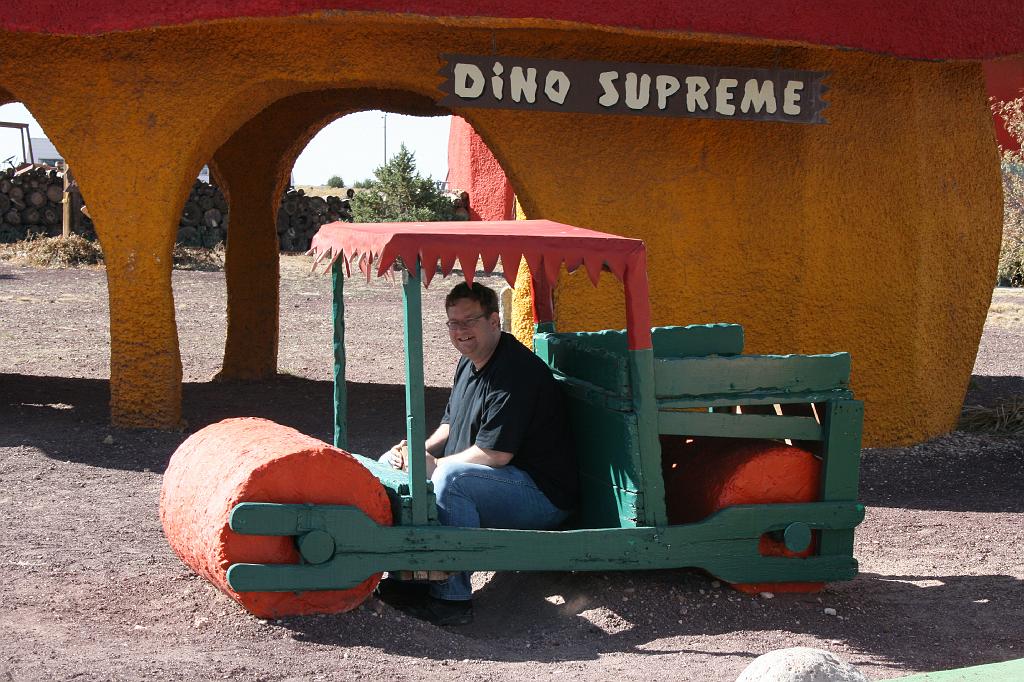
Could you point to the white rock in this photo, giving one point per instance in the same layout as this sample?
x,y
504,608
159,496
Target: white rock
x,y
800,664
109,440
829,611
766,595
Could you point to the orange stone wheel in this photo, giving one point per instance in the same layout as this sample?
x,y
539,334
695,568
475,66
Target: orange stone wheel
x,y
704,475
256,460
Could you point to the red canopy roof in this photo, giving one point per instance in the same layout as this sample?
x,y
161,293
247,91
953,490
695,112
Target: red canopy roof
x,y
546,246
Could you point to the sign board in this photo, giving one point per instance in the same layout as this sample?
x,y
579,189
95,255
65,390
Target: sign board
x,y
677,90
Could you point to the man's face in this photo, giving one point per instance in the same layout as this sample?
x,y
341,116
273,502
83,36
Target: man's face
x,y
473,334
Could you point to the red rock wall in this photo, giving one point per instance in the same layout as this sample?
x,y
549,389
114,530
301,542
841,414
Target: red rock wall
x,y
1005,82
473,168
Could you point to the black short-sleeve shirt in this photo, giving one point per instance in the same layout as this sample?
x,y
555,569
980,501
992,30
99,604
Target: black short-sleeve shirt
x,y
513,404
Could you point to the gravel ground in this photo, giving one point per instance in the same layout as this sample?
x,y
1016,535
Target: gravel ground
x,y
91,591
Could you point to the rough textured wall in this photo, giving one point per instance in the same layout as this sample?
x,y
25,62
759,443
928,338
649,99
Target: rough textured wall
x,y
473,168
876,233
522,303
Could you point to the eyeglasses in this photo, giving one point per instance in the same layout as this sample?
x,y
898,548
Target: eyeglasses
x,y
463,324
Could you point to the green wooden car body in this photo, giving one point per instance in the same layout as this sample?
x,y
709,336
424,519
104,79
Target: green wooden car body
x,y
620,402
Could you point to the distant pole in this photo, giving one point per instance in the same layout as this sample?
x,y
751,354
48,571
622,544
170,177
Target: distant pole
x,y
67,216
385,138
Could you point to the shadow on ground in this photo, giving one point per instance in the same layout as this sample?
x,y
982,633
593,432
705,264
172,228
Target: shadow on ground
x,y
563,617
991,390
956,472
68,419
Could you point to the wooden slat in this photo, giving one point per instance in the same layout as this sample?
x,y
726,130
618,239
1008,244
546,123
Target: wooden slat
x,y
698,340
670,341
751,373
597,366
738,425
415,413
725,544
754,398
645,407
390,478
600,357
607,506
606,443
396,485
840,477
588,392
340,389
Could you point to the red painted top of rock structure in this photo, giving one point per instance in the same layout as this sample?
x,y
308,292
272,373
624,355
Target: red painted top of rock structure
x,y
922,29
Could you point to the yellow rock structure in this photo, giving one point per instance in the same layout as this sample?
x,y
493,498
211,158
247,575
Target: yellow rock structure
x,y
875,233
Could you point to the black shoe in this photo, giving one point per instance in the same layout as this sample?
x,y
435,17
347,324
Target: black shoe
x,y
442,611
401,594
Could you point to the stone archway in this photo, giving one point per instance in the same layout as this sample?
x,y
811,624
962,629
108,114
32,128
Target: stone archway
x,y
253,166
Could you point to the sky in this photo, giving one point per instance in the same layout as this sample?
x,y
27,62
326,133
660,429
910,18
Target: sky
x,y
351,147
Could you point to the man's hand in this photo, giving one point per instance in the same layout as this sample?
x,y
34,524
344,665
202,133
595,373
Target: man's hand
x,y
398,458
395,457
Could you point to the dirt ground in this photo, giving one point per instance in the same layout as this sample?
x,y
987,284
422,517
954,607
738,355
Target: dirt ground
x,y
91,590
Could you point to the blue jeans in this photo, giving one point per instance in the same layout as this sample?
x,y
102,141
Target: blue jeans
x,y
479,496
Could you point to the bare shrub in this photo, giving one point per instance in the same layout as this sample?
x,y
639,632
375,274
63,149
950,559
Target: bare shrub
x,y
198,258
53,252
1005,418
1011,253
76,251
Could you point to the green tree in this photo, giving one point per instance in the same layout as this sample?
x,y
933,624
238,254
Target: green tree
x,y
1011,254
398,193
335,181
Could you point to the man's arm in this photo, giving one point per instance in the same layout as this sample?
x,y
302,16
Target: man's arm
x,y
475,454
437,440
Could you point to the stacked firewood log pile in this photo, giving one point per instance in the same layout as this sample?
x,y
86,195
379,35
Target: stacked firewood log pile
x,y
204,218
30,205
300,216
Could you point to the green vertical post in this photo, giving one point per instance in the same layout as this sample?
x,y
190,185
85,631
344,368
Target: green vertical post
x,y
340,391
415,429
840,477
645,406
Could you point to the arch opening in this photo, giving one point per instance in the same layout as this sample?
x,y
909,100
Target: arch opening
x,y
261,168
33,181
